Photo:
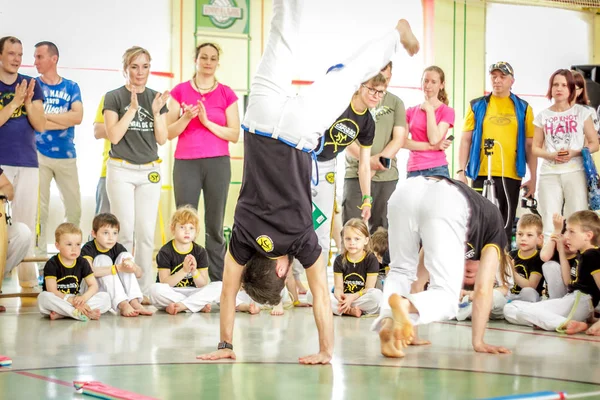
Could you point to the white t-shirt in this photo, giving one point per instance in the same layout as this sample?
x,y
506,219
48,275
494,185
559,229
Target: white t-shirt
x,y
563,131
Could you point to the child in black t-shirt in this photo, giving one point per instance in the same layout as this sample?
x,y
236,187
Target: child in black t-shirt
x,y
65,294
182,281
114,268
380,247
526,261
355,273
569,313
556,281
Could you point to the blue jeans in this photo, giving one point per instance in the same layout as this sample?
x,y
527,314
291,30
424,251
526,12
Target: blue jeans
x,y
439,171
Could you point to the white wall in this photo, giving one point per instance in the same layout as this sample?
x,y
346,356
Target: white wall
x,y
91,35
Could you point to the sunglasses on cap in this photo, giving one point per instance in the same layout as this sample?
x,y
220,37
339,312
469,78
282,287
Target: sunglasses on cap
x,y
503,67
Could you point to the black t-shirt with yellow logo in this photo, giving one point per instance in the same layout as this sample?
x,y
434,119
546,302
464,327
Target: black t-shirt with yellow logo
x,y
170,258
527,266
68,278
355,273
90,251
588,266
348,127
273,215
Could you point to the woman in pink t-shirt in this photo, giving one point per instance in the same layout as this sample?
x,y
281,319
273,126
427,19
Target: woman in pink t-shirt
x,y
428,125
204,116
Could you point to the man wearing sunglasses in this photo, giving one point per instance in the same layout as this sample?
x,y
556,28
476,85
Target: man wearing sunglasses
x,y
508,120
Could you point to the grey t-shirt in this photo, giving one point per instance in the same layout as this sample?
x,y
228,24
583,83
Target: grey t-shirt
x,y
138,145
388,114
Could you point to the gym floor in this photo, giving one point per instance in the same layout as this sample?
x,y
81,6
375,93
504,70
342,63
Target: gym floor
x,y
156,357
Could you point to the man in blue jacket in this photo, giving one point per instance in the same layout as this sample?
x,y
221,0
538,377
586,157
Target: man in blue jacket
x,y
508,120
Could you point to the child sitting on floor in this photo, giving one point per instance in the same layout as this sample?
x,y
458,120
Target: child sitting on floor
x,y
569,314
114,268
64,293
355,273
380,247
182,281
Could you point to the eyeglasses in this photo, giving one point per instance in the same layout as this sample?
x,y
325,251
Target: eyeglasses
x,y
374,92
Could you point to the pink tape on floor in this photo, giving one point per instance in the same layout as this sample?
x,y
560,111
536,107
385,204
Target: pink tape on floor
x,y
102,391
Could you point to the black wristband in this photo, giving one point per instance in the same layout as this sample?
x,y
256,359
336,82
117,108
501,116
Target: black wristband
x,y
224,345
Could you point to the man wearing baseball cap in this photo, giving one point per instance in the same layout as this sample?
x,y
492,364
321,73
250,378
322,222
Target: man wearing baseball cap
x,y
508,120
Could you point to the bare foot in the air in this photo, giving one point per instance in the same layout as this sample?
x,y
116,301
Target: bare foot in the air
x,y
175,308
574,327
127,310
387,341
95,314
55,315
403,328
354,311
277,310
407,37
206,308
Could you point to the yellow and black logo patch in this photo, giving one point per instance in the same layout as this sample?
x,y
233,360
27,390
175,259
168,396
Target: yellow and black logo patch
x,y
330,177
265,242
154,177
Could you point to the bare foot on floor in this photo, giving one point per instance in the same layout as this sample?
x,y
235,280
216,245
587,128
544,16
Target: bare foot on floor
x,y
146,301
407,37
277,310
55,315
2,308
141,310
419,342
574,327
594,330
95,314
387,341
253,308
127,310
206,308
403,328
354,311
175,308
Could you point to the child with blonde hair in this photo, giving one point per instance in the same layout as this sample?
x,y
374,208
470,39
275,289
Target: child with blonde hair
x,y
355,273
182,281
64,293
569,313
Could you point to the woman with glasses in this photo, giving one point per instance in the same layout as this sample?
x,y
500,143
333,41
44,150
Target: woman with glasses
x,y
428,124
561,131
204,116
356,124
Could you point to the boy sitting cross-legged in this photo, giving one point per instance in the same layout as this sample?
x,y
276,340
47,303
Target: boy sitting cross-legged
x,y
114,268
70,289
182,282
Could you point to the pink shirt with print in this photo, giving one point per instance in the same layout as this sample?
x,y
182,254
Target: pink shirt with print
x,y
417,126
196,141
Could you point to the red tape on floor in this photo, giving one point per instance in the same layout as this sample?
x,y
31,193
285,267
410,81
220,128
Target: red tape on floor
x,y
102,391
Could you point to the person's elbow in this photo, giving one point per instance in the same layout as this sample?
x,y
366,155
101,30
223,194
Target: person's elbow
x,y
78,118
594,147
39,124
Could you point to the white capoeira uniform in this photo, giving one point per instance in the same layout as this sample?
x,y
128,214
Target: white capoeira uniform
x,y
276,111
71,281
195,299
123,286
442,214
577,305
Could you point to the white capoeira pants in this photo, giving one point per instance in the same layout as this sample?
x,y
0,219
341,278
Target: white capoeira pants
x,y
300,120
367,303
121,287
551,315
323,197
436,213
161,295
553,276
497,311
48,302
19,243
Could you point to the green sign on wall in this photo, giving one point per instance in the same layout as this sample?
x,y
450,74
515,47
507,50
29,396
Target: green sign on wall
x,y
219,15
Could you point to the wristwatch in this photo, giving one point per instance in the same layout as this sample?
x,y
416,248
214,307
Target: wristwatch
x,y
224,345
